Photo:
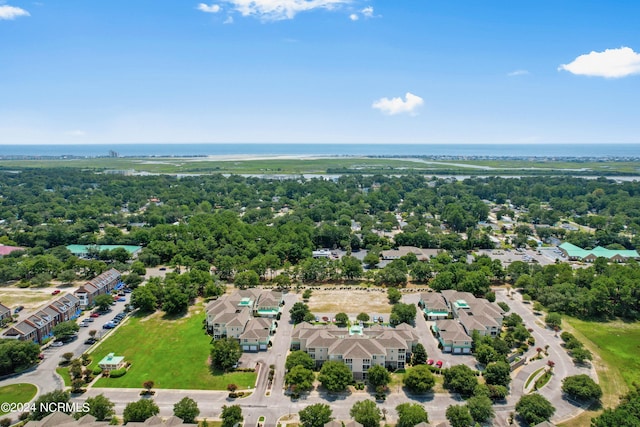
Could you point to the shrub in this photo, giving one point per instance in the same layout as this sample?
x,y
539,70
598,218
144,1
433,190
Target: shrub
x,y
117,373
97,370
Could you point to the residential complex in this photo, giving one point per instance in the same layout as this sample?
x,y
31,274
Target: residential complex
x,y
456,315
39,325
60,419
359,348
102,284
247,315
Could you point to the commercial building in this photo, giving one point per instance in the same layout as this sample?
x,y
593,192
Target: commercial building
x,y
575,253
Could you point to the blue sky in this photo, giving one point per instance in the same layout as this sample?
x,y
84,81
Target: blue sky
x,y
297,71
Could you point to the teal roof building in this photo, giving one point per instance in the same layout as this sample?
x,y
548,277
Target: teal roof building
x,y
83,251
575,253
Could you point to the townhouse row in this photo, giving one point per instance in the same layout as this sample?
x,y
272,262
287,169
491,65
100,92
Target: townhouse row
x,y
39,325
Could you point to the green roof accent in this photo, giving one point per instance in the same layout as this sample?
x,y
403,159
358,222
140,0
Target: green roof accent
x,y
574,251
111,359
245,302
355,330
83,249
461,304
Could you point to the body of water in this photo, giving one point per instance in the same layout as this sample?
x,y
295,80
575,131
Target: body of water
x,y
624,151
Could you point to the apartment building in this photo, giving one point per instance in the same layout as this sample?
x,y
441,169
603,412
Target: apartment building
x,y
359,348
102,284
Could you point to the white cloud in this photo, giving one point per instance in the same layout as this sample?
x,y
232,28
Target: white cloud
x,y
367,12
11,12
518,73
214,8
276,10
229,20
353,17
612,63
395,106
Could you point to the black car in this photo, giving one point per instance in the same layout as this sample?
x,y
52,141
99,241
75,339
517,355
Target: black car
x,y
90,341
18,309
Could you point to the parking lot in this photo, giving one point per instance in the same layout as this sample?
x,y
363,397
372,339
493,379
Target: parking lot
x,y
542,256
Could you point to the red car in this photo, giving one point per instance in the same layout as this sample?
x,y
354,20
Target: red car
x,y
56,292
439,364
95,315
430,362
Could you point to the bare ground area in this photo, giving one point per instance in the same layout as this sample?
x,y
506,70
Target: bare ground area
x,y
351,301
29,298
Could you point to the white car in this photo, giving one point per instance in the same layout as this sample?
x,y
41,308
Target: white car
x,y
57,344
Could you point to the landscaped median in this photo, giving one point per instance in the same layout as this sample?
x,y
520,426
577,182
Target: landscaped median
x,y
173,353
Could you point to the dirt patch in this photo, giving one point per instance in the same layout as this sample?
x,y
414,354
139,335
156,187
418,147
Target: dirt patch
x,y
29,298
349,300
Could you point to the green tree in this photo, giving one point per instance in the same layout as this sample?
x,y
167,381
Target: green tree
x,y
103,302
342,319
175,301
486,354
246,279
363,317
231,415
301,358
335,376
144,299
419,356
580,355
497,373
43,404
187,410
411,414
581,387
553,320
378,375
371,259
351,267
460,379
394,295
298,312
300,377
225,353
480,408
534,408
316,415
101,407
16,355
367,413
459,416
403,313
419,379
65,329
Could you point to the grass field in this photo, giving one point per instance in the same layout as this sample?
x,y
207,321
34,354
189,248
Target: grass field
x,y
17,393
172,353
30,299
351,301
618,343
320,165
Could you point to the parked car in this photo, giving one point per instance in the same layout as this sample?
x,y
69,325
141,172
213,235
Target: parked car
x,y
430,362
88,320
18,309
84,325
57,344
96,314
90,341
439,364
127,291
41,356
108,325
56,292
122,299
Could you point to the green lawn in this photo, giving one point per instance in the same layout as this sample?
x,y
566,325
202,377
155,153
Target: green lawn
x,y
618,343
17,393
172,353
66,376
